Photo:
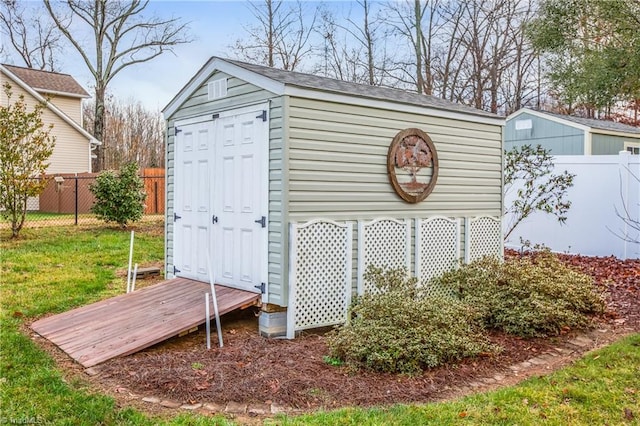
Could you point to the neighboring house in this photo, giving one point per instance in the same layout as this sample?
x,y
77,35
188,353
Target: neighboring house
x,y
63,97
284,178
569,135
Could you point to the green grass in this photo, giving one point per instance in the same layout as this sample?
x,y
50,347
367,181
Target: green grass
x,y
54,269
51,270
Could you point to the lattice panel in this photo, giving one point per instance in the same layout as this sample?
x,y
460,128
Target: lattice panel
x,y
484,238
384,243
320,276
437,249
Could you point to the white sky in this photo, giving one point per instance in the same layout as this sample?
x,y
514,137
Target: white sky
x,y
215,25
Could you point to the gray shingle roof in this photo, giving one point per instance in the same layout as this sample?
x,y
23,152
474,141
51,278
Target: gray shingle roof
x,y
45,81
611,126
309,81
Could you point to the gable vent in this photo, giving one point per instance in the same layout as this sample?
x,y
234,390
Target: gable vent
x,y
217,89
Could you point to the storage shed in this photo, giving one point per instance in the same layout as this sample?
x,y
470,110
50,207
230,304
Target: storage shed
x,y
295,183
569,135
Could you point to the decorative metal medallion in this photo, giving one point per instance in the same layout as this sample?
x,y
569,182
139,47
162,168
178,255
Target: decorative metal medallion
x,y
412,163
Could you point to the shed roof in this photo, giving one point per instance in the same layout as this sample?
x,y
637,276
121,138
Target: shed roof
x,y
315,82
601,126
48,82
296,83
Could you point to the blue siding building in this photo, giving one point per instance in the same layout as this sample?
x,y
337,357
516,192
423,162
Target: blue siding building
x,y
569,135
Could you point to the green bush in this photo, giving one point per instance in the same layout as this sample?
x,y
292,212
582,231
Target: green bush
x,y
538,297
119,197
399,329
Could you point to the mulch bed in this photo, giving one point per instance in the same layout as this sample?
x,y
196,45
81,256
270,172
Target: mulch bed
x,y
253,369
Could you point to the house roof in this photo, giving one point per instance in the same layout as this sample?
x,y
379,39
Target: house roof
x,y
600,126
294,83
71,122
48,82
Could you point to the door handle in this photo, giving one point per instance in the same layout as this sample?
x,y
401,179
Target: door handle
x,y
262,221
214,219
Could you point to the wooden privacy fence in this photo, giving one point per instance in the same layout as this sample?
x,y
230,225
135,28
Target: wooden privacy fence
x,y
154,187
69,193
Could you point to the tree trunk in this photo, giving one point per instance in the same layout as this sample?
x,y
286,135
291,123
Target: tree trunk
x,y
98,128
270,42
418,46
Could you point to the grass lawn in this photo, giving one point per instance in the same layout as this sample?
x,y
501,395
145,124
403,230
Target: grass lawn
x,y
54,269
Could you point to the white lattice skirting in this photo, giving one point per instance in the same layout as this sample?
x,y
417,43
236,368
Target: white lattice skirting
x,y
384,243
483,237
437,247
320,275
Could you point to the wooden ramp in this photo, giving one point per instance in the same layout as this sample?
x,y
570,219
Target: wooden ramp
x,y
131,322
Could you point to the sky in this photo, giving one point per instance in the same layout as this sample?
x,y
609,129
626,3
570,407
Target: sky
x,y
215,25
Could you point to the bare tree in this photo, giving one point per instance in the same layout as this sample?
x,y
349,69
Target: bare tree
x,y
630,231
354,51
122,37
131,132
281,37
31,35
416,22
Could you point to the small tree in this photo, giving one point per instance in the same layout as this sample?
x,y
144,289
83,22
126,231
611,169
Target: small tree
x,y
119,196
25,147
541,189
630,231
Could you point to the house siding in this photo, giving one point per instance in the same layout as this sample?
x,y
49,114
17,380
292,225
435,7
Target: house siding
x,y
609,144
70,106
71,150
559,139
239,93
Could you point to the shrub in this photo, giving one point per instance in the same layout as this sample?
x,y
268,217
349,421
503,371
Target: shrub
x,y
119,197
399,329
539,297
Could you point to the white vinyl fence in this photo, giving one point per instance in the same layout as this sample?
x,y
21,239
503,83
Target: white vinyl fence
x,y
605,187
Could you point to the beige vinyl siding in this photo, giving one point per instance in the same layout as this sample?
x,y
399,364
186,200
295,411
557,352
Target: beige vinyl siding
x,y
71,150
239,93
337,166
70,106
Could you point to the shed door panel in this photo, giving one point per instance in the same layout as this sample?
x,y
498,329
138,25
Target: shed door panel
x,y
241,200
194,149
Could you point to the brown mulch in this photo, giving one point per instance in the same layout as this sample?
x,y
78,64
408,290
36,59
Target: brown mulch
x,y
252,369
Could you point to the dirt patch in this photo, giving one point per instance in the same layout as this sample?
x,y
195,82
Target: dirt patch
x,y
254,370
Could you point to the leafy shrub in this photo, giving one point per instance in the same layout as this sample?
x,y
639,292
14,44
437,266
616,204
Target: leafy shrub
x,y
526,297
399,329
119,197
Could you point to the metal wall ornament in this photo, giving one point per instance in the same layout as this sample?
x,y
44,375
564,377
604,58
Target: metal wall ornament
x,y
412,165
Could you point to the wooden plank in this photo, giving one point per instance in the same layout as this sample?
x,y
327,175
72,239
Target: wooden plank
x,y
128,323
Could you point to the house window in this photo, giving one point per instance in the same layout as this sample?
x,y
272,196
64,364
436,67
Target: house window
x,y
632,147
217,89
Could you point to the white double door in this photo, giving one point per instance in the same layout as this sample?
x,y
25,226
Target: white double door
x,y
221,198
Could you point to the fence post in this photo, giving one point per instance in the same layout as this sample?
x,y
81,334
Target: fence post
x,y
76,200
155,197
